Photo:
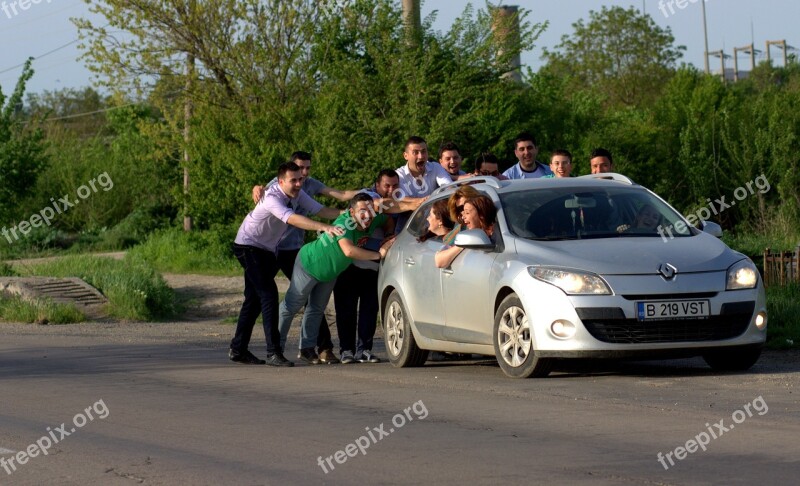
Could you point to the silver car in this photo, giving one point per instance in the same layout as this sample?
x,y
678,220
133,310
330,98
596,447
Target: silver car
x,y
572,273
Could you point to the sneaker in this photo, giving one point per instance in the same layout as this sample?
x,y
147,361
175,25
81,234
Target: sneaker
x,y
309,356
347,357
366,356
326,356
277,359
245,358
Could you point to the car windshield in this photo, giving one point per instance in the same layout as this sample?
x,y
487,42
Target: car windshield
x,y
563,213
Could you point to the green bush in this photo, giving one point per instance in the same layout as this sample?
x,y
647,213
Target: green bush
x,y
203,252
134,289
7,270
15,309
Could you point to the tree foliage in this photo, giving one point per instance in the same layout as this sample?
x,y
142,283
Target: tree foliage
x,y
620,51
21,149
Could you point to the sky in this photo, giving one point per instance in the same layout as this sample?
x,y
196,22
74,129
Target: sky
x,y
44,26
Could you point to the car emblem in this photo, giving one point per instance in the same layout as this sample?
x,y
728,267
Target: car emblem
x,y
667,271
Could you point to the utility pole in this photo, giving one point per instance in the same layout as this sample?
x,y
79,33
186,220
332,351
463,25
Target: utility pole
x,y
705,35
782,45
721,54
749,49
187,118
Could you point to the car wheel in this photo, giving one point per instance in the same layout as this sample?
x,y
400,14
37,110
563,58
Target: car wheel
x,y
513,345
400,344
732,359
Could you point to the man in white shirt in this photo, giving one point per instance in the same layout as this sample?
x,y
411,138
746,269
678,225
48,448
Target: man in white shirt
x,y
419,177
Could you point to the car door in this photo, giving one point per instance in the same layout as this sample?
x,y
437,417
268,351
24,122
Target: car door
x,y
468,299
422,283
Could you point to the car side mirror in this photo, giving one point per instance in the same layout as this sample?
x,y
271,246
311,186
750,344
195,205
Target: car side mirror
x,y
474,239
712,228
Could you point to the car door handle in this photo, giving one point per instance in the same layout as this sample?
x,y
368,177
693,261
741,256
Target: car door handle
x,y
447,271
410,261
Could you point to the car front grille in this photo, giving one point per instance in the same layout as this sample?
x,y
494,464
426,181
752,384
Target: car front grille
x,y
609,325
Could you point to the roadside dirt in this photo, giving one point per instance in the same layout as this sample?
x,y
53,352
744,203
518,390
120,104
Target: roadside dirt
x,y
208,298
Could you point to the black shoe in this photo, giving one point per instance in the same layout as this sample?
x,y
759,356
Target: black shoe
x,y
309,356
277,359
366,356
326,356
245,358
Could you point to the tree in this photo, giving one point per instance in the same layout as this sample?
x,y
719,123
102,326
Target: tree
x,y
21,149
621,53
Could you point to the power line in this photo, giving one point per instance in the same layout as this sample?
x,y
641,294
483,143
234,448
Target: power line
x,y
41,55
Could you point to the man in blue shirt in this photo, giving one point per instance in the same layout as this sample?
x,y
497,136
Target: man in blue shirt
x,y
528,167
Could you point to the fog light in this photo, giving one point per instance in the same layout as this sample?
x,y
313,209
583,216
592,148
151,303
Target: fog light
x,y
562,329
761,321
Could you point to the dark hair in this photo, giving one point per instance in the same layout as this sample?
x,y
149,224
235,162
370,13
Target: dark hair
x,y
486,157
447,146
441,211
525,137
487,211
414,141
299,155
386,173
360,197
601,152
563,152
287,167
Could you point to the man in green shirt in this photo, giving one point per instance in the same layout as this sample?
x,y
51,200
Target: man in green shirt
x,y
321,261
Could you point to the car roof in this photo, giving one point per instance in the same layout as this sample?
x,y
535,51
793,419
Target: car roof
x,y
588,181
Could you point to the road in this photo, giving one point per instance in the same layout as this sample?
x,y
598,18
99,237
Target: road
x,y
159,403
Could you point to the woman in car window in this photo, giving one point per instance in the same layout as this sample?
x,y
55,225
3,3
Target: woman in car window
x,y
456,205
648,218
479,213
439,222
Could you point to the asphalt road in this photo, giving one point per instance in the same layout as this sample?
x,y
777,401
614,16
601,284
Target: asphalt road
x,y
161,404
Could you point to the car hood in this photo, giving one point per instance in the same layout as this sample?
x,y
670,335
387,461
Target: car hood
x,y
631,256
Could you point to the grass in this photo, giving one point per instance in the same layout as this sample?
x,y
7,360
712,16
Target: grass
x,y
203,252
134,289
15,309
783,309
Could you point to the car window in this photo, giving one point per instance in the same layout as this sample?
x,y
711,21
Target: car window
x,y
589,212
418,225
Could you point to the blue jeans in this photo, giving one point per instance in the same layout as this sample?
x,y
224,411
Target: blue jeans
x,y
260,297
304,290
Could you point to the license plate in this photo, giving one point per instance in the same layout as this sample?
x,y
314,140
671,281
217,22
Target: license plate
x,y
673,309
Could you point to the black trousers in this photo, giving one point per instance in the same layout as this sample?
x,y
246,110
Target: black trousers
x,y
356,299
260,297
286,260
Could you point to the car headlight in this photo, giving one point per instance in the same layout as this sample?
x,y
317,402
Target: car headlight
x,y
570,281
742,275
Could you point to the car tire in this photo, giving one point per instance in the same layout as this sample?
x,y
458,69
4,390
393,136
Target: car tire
x,y
732,359
513,343
400,343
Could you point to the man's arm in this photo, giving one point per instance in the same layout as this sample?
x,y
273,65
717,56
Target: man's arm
x,y
258,193
329,213
352,251
390,205
339,194
305,223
